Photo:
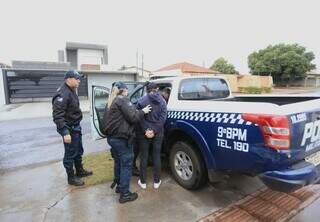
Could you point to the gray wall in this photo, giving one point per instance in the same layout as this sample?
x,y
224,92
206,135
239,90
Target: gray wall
x,y
40,65
106,79
2,95
36,85
312,82
72,58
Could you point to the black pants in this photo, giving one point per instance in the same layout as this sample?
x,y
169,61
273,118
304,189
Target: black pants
x,y
136,152
144,145
73,152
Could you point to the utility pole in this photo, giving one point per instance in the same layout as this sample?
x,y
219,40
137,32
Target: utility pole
x,y
142,64
137,61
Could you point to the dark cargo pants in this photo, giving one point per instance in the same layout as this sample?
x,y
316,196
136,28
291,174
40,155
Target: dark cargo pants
x,y
73,151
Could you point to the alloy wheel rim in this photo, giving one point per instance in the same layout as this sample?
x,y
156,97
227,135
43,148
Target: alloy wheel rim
x,y
183,165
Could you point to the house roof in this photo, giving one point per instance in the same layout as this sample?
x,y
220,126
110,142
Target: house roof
x,y
185,67
43,65
78,45
314,72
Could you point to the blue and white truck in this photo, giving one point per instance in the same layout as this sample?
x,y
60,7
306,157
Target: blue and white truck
x,y
208,132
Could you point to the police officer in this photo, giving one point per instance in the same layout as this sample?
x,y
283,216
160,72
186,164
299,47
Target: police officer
x,y
119,128
67,116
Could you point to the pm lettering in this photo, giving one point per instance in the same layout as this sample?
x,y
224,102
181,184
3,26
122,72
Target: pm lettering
x,y
312,132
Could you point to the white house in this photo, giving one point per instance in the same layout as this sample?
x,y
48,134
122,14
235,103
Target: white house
x,y
143,74
83,56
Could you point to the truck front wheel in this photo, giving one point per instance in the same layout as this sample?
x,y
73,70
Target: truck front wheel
x,y
187,166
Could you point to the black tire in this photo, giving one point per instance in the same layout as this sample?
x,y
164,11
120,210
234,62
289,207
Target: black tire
x,y
199,175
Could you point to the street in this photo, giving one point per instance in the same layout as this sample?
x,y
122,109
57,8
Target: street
x,y
35,141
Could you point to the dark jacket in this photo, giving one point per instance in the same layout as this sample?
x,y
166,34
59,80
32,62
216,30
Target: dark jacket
x,y
157,117
66,110
120,119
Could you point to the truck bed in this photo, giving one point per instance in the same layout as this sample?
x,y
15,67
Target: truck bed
x,y
278,100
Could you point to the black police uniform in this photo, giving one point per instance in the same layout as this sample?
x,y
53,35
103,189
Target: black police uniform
x,y
67,116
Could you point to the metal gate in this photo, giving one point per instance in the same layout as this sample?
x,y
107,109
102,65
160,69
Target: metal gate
x,y
29,85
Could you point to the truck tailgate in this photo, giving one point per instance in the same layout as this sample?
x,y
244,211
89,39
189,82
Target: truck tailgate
x,y
305,136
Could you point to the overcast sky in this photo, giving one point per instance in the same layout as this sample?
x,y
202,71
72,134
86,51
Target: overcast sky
x,y
167,31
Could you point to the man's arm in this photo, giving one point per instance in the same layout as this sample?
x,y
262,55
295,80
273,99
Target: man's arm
x,y
143,123
163,113
59,107
162,116
131,114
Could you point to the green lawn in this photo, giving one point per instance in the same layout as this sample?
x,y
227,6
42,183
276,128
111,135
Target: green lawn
x,y
102,166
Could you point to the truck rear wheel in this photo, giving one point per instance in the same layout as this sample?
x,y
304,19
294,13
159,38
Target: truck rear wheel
x,y
187,166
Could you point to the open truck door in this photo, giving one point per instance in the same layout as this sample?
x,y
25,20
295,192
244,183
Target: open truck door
x,y
100,96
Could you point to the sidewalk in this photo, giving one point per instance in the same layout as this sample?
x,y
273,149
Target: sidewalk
x,y
309,214
32,110
41,194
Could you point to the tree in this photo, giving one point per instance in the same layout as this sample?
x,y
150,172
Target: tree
x,y
284,62
223,66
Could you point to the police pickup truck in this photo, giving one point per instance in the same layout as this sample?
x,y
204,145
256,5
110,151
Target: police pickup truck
x,y
208,132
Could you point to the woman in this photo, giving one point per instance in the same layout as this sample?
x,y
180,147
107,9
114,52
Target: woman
x,y
119,128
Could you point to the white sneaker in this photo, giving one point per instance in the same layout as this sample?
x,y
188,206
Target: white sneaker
x,y
142,185
156,185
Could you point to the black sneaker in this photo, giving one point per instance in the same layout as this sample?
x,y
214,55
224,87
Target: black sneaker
x,y
75,181
126,197
83,173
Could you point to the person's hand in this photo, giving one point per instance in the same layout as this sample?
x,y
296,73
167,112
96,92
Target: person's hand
x,y
147,109
149,133
67,138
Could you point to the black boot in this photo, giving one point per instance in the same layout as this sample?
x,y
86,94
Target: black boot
x,y
73,180
80,172
128,196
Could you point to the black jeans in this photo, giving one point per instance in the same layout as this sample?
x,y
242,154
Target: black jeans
x,y
144,145
122,154
136,152
73,151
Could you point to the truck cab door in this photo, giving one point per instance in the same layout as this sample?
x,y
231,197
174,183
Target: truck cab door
x,y
137,93
100,96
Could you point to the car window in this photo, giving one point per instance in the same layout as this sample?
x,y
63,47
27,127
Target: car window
x,y
100,96
165,90
203,88
132,86
137,94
